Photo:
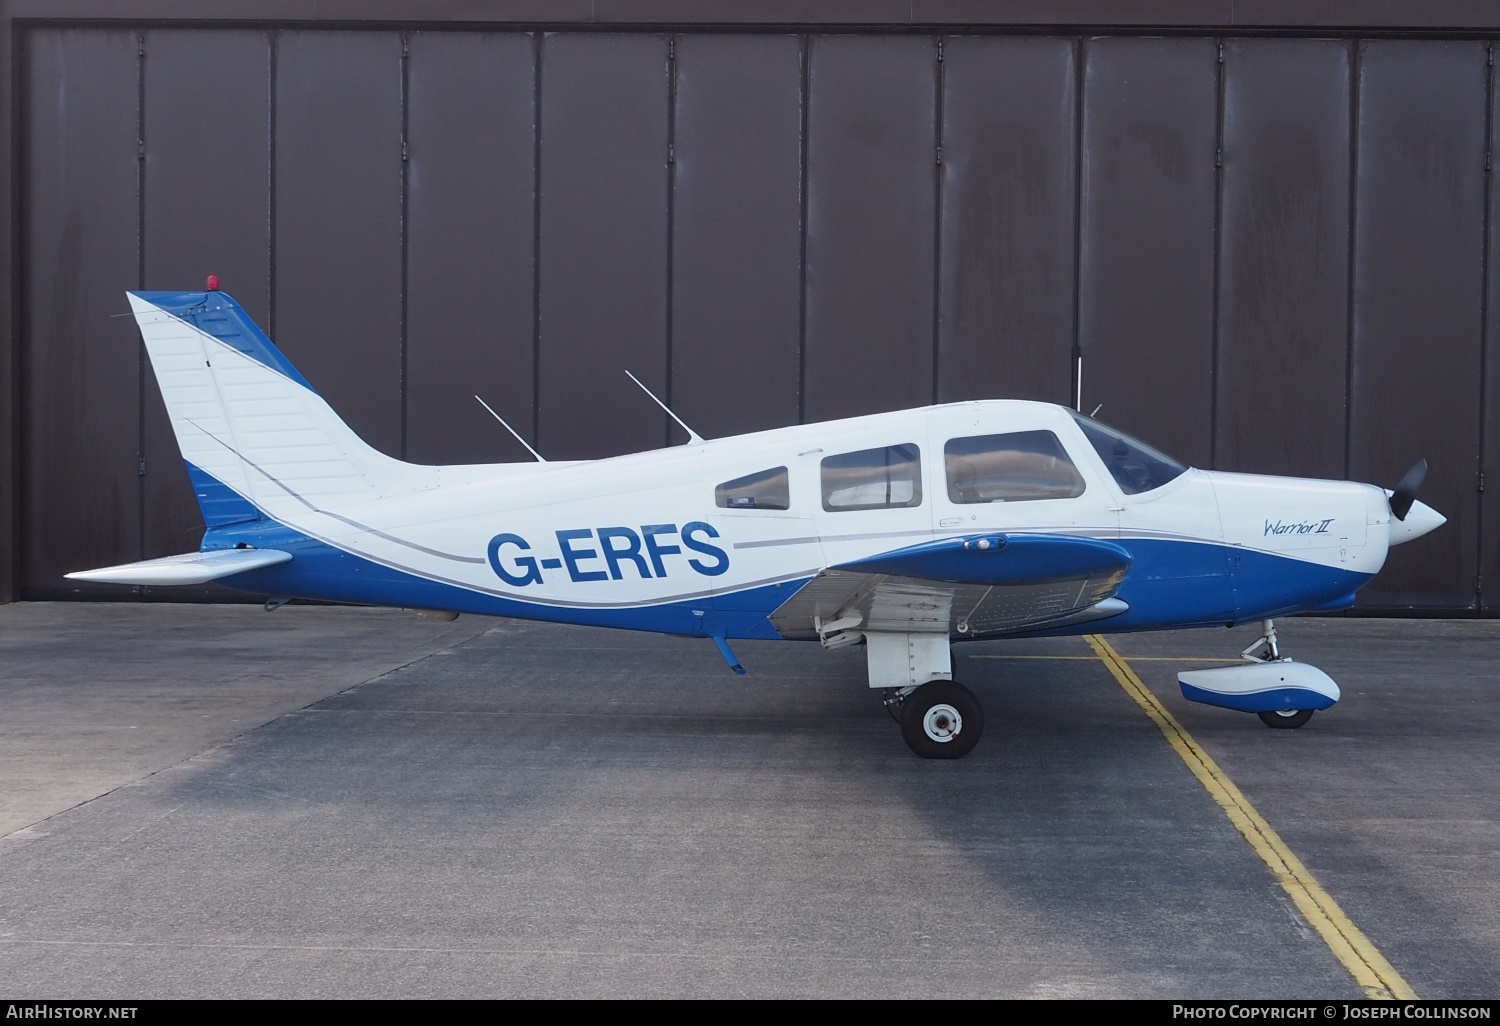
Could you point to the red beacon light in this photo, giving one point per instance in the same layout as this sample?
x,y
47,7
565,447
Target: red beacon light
x,y
213,283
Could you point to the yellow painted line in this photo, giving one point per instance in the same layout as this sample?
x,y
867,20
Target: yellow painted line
x,y
1351,947
1089,659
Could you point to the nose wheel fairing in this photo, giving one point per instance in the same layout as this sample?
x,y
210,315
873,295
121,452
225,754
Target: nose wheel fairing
x,y
1285,693
1269,687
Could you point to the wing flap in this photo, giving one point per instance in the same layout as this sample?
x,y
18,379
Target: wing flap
x,y
188,568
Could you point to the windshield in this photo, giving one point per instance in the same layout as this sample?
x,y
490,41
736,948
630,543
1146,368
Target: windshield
x,y
1135,466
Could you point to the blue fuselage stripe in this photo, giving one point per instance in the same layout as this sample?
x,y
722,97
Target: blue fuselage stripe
x,y
318,570
1170,583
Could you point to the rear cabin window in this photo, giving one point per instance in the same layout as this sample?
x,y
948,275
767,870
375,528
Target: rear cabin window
x,y
764,489
1135,466
1014,467
884,478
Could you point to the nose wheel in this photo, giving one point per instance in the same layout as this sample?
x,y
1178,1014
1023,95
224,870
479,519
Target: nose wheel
x,y
1286,719
939,720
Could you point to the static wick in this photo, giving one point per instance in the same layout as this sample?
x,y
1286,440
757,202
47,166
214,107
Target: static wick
x,y
512,430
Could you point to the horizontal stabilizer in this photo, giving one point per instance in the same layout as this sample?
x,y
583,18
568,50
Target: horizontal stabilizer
x,y
188,568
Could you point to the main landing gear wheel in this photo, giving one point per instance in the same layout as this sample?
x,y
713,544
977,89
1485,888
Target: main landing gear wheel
x,y
941,720
1286,719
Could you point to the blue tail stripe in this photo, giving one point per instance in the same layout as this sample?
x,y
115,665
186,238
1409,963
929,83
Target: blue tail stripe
x,y
220,504
217,314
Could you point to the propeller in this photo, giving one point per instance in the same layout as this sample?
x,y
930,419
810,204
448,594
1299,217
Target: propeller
x,y
1406,491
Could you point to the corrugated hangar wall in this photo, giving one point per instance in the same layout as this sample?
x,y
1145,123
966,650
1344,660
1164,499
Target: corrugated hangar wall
x,y
1271,254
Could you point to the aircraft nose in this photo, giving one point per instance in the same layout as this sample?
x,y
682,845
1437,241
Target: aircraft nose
x,y
1420,519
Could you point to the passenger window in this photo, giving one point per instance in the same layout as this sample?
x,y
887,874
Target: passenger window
x,y
1135,466
873,479
765,489
1014,467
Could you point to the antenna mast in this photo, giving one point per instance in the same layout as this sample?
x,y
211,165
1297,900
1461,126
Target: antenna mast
x,y
694,438
511,430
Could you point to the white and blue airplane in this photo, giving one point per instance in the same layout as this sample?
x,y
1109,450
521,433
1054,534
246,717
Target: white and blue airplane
x,y
901,531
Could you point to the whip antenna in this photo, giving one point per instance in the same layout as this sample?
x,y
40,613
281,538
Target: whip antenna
x,y
694,438
512,430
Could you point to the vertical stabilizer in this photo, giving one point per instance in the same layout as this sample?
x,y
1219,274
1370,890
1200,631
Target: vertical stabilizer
x,y
255,435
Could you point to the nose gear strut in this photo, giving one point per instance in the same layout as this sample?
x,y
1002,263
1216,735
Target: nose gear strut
x,y
1266,641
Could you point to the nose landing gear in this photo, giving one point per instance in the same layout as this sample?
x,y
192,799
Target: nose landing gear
x,y
1283,693
1266,650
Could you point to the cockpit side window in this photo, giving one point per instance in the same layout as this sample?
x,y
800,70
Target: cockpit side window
x,y
883,478
1135,466
764,489
1013,467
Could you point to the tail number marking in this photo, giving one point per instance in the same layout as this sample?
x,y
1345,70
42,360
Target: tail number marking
x,y
610,554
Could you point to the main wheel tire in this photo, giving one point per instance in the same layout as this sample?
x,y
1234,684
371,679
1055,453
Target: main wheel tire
x,y
941,720
1286,719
